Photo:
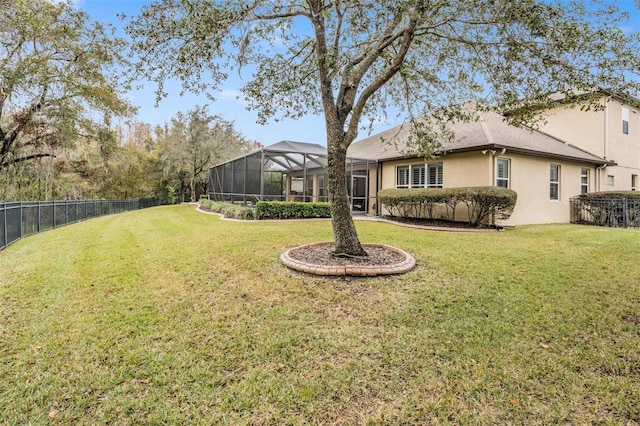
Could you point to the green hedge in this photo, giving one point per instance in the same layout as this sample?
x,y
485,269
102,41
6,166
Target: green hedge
x,y
291,210
629,195
482,202
230,210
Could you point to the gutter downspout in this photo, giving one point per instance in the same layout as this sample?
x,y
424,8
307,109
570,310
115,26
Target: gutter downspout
x,y
599,176
606,127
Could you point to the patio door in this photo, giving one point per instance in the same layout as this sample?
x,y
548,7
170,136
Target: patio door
x,y
358,185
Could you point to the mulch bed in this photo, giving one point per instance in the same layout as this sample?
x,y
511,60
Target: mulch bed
x,y
321,255
438,223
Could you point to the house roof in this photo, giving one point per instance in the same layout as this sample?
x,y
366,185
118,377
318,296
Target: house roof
x,y
490,131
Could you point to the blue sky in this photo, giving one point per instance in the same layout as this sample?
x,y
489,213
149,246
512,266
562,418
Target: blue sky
x,y
307,129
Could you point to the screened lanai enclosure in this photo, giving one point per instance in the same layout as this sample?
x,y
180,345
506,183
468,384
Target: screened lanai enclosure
x,y
290,171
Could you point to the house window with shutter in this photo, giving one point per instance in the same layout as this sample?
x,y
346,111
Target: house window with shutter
x,y
434,176
402,176
419,176
502,172
625,120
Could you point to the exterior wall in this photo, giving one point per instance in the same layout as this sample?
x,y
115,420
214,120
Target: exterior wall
x,y
529,177
584,129
530,180
600,133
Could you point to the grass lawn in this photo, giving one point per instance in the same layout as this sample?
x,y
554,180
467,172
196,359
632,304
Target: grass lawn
x,y
170,316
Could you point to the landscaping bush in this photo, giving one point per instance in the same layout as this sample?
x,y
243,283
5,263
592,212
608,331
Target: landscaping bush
x,y
291,210
415,202
230,210
483,202
629,195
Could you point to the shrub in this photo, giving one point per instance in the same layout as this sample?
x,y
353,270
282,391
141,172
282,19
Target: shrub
x,y
291,210
230,210
482,202
416,202
607,195
487,201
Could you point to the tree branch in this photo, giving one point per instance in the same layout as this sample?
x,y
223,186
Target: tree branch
x,y
25,158
394,67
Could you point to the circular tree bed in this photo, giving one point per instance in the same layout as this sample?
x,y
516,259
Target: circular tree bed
x,y
317,259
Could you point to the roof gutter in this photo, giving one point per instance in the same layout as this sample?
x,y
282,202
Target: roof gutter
x,y
498,147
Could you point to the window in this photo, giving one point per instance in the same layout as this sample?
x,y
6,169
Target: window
x,y
610,180
625,120
434,175
584,181
419,176
634,182
402,177
502,172
554,182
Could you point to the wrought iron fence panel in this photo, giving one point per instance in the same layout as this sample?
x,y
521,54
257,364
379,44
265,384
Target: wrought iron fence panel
x,y
21,219
612,212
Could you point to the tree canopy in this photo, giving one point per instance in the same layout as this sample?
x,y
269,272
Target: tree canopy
x,y
192,143
57,78
354,61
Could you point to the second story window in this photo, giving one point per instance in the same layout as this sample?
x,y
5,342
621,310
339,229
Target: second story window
x,y
625,120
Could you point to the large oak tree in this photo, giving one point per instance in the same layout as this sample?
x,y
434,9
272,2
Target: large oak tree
x,y
355,60
57,78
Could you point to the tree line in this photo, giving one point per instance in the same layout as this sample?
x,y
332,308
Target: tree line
x,y
62,105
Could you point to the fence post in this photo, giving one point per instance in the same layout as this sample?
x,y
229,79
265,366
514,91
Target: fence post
x,y
20,237
4,219
625,211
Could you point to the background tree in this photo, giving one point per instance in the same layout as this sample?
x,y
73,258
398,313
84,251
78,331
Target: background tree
x,y
56,76
194,142
355,59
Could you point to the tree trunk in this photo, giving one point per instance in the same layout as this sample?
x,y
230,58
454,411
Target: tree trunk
x,y
344,230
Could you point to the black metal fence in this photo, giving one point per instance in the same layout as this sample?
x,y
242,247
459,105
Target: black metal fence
x,y
613,212
23,218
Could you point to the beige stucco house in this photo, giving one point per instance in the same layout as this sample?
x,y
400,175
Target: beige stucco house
x,y
573,152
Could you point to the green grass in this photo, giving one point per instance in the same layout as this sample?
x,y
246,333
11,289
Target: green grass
x,y
170,316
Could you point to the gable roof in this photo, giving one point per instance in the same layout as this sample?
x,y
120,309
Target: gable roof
x,y
490,131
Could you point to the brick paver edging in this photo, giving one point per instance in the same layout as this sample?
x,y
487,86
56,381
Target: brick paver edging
x,y
349,270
